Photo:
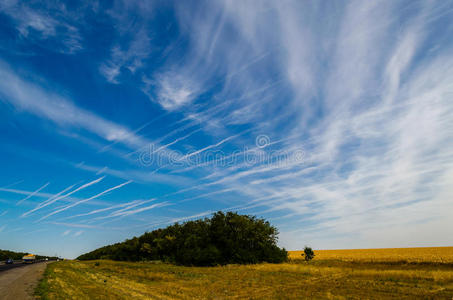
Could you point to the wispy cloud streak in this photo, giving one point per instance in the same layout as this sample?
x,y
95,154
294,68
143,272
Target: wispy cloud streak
x,y
59,198
33,193
96,211
85,200
48,201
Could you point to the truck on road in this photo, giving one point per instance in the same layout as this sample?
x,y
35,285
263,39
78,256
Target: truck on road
x,y
29,258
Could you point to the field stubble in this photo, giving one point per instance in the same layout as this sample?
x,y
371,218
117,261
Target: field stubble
x,y
333,274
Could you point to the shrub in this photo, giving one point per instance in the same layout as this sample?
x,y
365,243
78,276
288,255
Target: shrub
x,y
309,254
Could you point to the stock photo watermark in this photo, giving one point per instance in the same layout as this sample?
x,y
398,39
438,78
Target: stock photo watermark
x,y
262,153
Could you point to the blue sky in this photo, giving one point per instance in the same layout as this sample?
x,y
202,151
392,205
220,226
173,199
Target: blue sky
x,y
333,120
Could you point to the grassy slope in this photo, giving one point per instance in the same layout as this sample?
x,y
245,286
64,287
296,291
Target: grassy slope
x,y
321,278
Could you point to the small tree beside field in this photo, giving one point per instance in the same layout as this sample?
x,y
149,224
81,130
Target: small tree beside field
x,y
308,254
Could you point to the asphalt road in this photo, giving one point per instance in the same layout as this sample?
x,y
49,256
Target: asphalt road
x,y
19,283
4,267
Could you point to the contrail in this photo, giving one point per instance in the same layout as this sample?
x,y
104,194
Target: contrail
x,y
133,212
47,202
107,147
22,192
85,200
105,209
56,195
12,184
194,166
175,141
192,123
120,211
32,194
74,225
156,142
215,145
211,146
74,191
80,188
175,220
204,149
207,194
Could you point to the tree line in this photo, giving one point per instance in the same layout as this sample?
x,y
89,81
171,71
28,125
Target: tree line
x,y
5,254
222,239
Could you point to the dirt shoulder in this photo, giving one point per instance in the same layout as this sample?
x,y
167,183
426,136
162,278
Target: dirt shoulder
x,y
19,283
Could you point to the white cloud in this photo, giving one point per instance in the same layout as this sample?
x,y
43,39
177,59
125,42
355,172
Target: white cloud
x,y
173,90
37,24
31,98
380,135
26,96
130,58
359,93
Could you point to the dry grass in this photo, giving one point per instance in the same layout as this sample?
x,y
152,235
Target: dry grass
x,y
329,276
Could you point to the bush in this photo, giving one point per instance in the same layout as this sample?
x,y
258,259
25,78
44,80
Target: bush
x,y
309,254
223,239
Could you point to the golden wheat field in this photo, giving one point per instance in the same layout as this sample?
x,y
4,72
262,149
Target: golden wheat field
x,y
415,273
410,255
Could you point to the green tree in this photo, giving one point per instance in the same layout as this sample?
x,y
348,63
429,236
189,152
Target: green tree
x,y
308,254
224,238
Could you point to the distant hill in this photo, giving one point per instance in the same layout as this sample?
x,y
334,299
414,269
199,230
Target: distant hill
x,y
223,239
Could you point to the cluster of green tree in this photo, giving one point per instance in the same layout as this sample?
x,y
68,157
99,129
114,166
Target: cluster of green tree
x,y
5,254
222,239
